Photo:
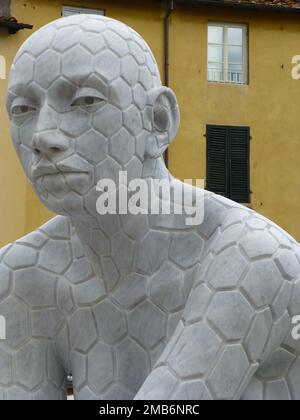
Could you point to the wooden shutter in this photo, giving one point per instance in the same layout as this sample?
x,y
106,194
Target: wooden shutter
x,y
228,162
239,164
216,160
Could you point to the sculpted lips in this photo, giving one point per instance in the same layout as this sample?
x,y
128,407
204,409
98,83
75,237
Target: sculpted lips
x,y
41,171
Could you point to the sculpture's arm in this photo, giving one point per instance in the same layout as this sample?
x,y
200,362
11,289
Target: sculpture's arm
x,y
227,330
29,368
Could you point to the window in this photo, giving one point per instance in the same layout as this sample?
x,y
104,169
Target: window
x,y
228,53
228,172
69,10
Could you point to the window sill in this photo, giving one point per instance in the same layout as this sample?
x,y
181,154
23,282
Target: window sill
x,y
227,83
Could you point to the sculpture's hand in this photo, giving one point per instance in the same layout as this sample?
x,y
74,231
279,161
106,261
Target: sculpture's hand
x,y
228,328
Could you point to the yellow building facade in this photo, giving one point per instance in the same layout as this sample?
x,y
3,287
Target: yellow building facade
x,y
269,104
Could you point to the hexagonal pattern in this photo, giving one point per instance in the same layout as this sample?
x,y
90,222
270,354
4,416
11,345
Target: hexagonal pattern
x,y
231,314
160,378
277,365
5,367
166,288
208,302
182,358
277,390
227,269
153,252
93,42
107,64
108,169
122,146
31,362
140,96
27,64
230,369
75,122
133,365
83,331
123,248
111,273
66,38
147,324
294,378
132,290
258,335
61,256
133,120
70,62
262,283
39,41
108,121
120,93
46,322
99,242
258,244
197,303
43,76
17,317
129,70
185,249
25,287
288,264
110,321
80,271
20,256
193,390
116,43
92,146
102,357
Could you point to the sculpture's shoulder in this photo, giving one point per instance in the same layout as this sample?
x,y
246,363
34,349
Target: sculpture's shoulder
x,y
31,267
263,249
48,248
253,227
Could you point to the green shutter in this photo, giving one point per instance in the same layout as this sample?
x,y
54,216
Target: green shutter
x,y
228,162
239,164
216,160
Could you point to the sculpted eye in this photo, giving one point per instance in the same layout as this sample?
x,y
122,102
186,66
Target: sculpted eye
x,y
87,101
22,110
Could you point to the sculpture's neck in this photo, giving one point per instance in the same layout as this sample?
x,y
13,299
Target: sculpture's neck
x,y
155,169
101,235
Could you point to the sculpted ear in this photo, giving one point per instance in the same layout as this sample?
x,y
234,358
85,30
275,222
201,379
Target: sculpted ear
x,y
164,120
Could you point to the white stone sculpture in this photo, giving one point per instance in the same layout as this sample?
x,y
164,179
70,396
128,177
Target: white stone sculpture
x,y
133,306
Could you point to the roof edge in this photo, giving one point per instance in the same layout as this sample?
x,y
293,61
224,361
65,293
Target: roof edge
x,y
238,5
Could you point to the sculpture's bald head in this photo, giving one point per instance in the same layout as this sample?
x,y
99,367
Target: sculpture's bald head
x,y
77,46
85,101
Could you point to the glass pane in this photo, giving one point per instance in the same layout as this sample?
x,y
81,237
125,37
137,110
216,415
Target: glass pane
x,y
235,36
215,72
235,73
70,10
215,53
235,54
215,35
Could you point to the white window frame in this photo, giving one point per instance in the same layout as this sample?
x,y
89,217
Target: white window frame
x,y
73,10
245,47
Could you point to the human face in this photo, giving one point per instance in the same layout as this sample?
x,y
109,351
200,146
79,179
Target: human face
x,y
77,116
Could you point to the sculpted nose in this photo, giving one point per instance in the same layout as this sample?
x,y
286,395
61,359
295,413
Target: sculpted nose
x,y
48,139
49,143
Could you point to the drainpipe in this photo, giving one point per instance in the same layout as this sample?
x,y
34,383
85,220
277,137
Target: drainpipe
x,y
5,8
167,58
